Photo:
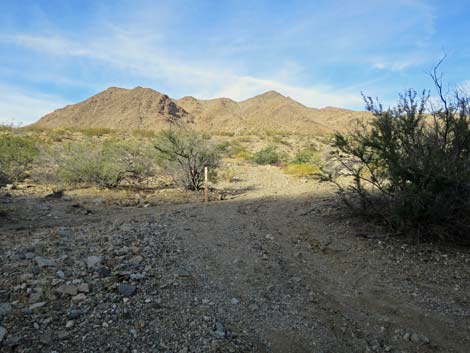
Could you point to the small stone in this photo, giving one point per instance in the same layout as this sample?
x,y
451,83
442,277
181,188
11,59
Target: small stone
x,y
137,276
219,329
67,289
414,338
67,198
253,307
93,261
37,305
406,336
136,260
69,324
62,334
126,290
35,296
60,274
5,309
79,298
424,339
46,338
83,288
3,333
36,326
104,272
44,262
235,301
73,314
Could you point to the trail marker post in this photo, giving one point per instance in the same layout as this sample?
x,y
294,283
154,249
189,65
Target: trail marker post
x,y
206,186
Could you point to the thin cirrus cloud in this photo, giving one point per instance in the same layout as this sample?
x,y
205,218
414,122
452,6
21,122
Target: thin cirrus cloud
x,y
321,53
18,106
126,53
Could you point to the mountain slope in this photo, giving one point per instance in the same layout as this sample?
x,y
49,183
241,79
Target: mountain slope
x,y
119,108
144,108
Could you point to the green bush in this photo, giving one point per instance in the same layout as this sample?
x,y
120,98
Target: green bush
x,y
307,156
268,155
16,155
107,164
184,154
410,166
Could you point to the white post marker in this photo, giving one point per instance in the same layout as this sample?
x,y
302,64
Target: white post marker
x,y
206,186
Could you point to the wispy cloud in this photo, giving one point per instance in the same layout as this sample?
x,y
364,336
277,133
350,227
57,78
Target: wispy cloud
x,y
319,53
22,108
128,52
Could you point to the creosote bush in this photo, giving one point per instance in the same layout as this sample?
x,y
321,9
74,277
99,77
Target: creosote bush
x,y
411,166
268,155
184,153
16,155
107,164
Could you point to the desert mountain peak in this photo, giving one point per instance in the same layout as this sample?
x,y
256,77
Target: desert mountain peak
x,y
145,108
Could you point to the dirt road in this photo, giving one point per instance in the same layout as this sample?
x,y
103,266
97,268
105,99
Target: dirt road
x,y
274,268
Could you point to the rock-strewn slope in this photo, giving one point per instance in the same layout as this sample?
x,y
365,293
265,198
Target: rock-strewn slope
x,y
119,108
144,108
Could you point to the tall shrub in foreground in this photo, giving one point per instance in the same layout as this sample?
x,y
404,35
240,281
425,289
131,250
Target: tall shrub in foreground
x,y
107,164
411,165
16,155
185,153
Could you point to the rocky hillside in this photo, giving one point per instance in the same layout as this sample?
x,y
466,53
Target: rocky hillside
x,y
119,108
144,108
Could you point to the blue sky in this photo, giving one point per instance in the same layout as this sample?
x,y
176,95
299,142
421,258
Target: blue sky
x,y
320,53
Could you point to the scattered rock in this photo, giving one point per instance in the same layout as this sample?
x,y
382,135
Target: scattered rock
x,y
67,198
62,335
47,338
69,324
67,289
219,329
37,306
126,290
5,309
83,288
60,274
93,261
137,276
79,298
136,260
44,262
3,333
235,301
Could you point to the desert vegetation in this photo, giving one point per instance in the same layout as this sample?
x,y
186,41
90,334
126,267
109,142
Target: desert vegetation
x,y
410,166
17,152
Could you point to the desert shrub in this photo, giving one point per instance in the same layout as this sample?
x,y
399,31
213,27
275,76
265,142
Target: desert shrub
x,y
280,140
268,155
227,175
302,169
185,153
96,131
144,133
411,166
306,156
16,155
233,150
107,164
244,155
